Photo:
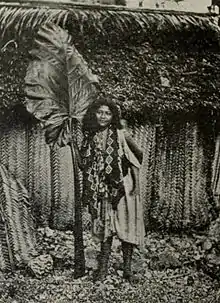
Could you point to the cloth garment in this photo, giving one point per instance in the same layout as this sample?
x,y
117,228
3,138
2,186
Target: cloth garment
x,y
108,182
103,178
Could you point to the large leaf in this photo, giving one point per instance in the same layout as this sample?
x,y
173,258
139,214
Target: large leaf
x,y
59,88
59,85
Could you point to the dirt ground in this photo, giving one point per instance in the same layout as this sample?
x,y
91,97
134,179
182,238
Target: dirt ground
x,y
167,269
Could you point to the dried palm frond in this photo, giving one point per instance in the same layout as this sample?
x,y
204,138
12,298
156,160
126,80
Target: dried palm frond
x,y
200,197
215,176
63,188
147,169
4,143
169,173
180,177
22,20
189,212
18,236
175,197
216,168
55,184
39,174
6,256
79,138
156,182
158,194
180,200
102,20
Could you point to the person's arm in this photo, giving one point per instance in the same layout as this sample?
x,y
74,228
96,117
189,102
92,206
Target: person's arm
x,y
134,147
136,180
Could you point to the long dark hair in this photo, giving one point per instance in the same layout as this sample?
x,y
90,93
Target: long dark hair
x,y
89,123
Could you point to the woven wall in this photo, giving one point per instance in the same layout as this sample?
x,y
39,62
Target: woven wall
x,y
24,152
216,172
62,211
38,174
17,233
13,148
174,177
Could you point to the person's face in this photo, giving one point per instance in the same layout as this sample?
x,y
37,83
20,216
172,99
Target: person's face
x,y
104,116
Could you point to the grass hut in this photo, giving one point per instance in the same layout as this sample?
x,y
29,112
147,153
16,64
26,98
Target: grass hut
x,y
162,67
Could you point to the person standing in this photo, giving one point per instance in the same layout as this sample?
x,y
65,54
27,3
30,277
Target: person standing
x,y
111,162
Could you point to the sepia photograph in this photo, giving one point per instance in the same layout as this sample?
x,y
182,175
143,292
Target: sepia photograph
x,y
110,151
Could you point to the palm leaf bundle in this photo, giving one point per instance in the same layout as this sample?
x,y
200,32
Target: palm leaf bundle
x,y
59,87
17,235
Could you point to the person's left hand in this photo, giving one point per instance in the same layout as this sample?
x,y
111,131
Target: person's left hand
x,y
134,191
135,177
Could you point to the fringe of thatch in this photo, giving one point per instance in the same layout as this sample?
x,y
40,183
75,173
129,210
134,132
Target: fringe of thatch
x,y
112,23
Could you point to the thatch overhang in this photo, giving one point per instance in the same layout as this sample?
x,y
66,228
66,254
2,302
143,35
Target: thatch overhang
x,y
110,24
154,63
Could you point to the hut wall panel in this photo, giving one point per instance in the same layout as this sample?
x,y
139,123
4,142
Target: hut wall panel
x,y
173,177
13,149
39,174
24,152
17,149
216,172
3,258
200,204
63,197
4,255
4,153
17,231
145,138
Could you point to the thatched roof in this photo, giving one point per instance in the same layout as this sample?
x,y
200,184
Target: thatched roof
x,y
152,62
105,23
